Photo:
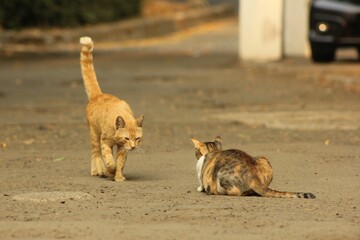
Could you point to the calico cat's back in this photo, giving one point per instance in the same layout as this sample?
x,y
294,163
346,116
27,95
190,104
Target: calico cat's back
x,y
226,172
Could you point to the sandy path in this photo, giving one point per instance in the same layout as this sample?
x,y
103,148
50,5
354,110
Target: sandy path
x,y
182,93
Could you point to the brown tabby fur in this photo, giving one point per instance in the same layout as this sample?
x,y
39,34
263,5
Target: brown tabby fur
x,y
111,122
234,172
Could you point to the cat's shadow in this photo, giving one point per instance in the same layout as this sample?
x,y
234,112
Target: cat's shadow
x,y
136,177
139,177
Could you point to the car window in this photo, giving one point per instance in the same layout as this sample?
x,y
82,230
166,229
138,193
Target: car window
x,y
357,2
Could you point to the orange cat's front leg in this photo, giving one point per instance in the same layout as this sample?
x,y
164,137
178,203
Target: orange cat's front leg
x,y
106,151
120,163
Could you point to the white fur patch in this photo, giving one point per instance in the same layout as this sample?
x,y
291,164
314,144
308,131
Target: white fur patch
x,y
199,166
85,40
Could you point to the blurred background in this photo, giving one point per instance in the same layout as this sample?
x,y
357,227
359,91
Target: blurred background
x,y
30,24
302,28
314,29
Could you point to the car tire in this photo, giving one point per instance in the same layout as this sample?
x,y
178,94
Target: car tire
x,y
322,54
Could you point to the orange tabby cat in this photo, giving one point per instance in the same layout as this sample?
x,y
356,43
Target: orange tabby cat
x,y
111,122
234,172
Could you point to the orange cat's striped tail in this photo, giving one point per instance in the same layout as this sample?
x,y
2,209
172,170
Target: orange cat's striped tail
x,y
87,68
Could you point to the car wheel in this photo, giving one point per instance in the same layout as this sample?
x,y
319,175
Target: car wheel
x,y
322,54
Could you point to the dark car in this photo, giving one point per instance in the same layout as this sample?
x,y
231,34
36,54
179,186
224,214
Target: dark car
x,y
333,24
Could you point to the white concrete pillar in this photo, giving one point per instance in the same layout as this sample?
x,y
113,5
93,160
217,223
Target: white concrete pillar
x,y
296,22
261,29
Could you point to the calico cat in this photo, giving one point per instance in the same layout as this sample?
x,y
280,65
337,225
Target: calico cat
x,y
111,122
234,172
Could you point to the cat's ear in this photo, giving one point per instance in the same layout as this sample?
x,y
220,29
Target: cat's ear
x,y
218,142
197,143
120,123
139,121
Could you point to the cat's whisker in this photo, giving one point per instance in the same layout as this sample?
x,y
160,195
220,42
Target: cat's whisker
x,y
138,153
140,150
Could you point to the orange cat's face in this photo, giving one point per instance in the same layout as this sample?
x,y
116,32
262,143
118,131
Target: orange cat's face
x,y
129,136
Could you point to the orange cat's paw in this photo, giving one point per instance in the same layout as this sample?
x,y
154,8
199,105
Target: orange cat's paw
x,y
98,173
109,175
120,178
95,172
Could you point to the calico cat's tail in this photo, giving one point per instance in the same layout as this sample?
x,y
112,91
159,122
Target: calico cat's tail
x,y
87,68
264,191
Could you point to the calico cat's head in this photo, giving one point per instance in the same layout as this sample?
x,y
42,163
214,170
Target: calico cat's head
x,y
129,135
202,148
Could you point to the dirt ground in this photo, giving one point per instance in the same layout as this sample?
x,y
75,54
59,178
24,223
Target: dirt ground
x,y
304,117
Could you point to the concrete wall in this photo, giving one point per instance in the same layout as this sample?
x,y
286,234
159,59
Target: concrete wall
x,y
260,29
296,19
272,29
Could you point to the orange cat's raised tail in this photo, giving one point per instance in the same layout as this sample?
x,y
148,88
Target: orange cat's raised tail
x,y
87,68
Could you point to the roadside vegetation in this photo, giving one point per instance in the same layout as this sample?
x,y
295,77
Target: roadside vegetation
x,y
19,14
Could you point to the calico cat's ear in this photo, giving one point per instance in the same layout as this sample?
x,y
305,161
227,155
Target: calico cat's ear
x,y
218,142
139,121
197,143
120,123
